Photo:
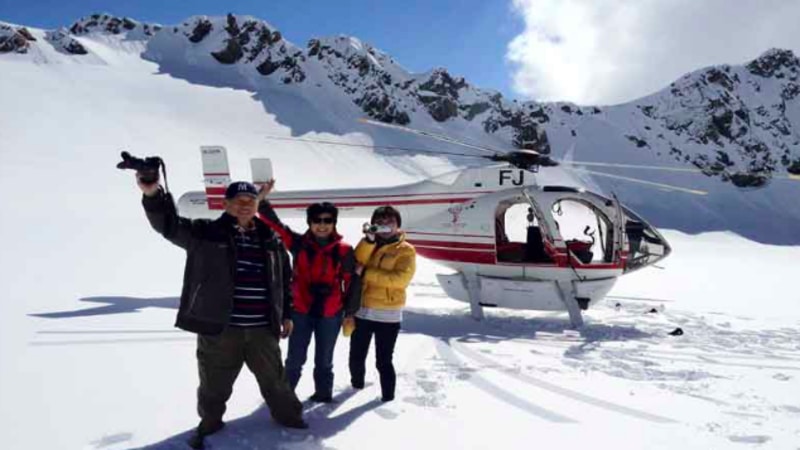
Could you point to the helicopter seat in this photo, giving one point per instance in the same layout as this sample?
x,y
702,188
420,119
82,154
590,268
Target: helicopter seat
x,y
534,246
581,249
510,252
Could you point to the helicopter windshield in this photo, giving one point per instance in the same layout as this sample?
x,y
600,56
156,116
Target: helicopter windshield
x,y
645,245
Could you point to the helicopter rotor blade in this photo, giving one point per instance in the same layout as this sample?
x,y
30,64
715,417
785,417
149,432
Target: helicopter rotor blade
x,y
629,166
649,183
789,176
438,137
382,147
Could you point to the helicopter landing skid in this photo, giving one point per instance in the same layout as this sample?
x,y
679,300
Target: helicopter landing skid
x,y
566,291
472,283
543,295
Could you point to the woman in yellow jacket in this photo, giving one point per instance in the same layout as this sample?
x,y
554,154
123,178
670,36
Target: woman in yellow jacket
x,y
386,263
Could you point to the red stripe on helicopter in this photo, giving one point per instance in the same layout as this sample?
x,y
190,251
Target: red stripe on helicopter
x,y
215,190
213,174
216,203
431,201
331,198
489,257
450,234
476,257
599,266
451,244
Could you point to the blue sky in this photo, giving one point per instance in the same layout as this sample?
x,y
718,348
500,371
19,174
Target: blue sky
x,y
468,37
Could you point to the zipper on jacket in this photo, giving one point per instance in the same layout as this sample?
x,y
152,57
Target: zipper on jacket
x,y
193,299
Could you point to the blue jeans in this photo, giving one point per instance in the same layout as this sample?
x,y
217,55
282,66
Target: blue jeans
x,y
325,331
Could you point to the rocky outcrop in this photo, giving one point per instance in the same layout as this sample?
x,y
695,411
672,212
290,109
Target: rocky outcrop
x,y
775,63
736,118
105,23
526,130
368,76
248,41
14,40
26,34
200,31
63,42
439,94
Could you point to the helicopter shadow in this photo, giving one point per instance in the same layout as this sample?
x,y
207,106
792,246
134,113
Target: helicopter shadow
x,y
437,324
258,430
113,305
495,329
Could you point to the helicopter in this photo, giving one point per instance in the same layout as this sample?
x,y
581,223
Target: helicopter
x,y
511,242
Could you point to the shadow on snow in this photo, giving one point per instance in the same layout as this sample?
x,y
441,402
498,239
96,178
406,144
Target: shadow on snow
x,y
258,430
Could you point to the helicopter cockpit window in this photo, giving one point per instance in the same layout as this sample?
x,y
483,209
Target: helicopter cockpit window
x,y
586,231
645,245
518,236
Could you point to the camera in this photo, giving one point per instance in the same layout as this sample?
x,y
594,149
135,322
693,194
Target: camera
x,y
147,168
372,228
319,294
320,290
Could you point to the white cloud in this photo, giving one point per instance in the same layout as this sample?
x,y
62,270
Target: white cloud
x,y
613,51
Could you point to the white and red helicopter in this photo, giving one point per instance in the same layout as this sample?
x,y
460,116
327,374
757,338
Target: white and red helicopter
x,y
511,242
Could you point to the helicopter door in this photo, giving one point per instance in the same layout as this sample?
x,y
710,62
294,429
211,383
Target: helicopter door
x,y
519,234
510,232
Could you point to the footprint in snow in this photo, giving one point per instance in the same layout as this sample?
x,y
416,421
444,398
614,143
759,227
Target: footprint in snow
x,y
386,413
757,439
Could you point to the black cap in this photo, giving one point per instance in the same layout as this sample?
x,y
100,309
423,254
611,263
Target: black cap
x,y
240,188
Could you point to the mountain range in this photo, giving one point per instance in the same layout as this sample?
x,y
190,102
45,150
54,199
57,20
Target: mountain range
x,y
736,124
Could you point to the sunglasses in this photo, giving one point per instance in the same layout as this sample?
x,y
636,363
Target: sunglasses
x,y
327,220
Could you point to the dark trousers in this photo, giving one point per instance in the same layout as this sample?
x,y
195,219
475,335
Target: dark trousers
x,y
325,331
385,339
220,359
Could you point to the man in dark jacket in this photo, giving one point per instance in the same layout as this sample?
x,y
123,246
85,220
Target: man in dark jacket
x,y
236,298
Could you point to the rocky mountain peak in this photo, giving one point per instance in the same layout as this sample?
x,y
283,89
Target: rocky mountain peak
x,y
775,62
734,122
14,39
246,40
63,42
106,23
442,83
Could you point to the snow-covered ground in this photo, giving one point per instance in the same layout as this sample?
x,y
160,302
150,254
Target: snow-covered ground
x,y
89,358
92,365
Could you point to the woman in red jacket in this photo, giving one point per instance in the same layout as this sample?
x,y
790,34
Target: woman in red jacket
x,y
323,271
